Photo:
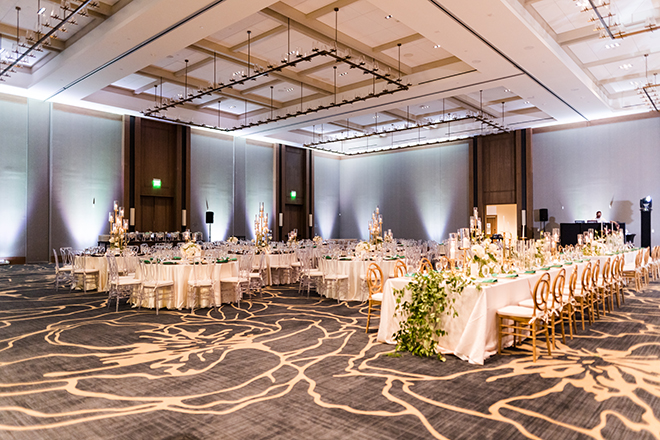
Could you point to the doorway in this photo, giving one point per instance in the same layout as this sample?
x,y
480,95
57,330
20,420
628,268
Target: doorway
x,y
501,219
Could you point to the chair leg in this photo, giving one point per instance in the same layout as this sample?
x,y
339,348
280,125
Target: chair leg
x,y
534,341
368,316
547,340
499,334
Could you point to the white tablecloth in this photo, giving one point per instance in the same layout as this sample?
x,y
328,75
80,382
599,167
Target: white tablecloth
x,y
472,336
180,273
354,269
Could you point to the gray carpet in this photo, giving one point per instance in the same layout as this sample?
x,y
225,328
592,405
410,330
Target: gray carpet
x,y
290,367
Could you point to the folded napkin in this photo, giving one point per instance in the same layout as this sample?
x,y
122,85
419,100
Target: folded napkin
x,y
345,259
176,258
545,268
556,266
568,262
529,271
508,275
488,281
168,262
233,259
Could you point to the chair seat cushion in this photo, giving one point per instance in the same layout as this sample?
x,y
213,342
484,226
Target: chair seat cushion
x,y
336,277
377,297
200,283
233,280
152,284
517,311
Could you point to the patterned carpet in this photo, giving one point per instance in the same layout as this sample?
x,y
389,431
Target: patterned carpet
x,y
290,367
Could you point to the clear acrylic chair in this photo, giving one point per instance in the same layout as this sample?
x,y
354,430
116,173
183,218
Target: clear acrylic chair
x,y
154,285
62,272
201,285
120,286
81,274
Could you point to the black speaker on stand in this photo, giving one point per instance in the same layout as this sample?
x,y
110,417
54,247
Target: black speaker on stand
x,y
645,206
543,217
209,221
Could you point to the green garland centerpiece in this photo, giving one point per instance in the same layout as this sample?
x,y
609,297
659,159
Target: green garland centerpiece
x,y
433,296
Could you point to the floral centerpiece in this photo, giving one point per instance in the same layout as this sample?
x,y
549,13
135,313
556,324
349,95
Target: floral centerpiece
x,y
318,240
483,260
261,232
190,250
362,248
232,240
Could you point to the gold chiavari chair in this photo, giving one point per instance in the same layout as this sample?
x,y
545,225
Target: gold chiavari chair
x,y
425,266
583,295
527,321
615,279
375,284
604,286
568,311
400,269
555,305
646,267
595,292
634,273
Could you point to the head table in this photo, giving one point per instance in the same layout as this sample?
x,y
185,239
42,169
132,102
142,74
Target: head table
x,y
472,335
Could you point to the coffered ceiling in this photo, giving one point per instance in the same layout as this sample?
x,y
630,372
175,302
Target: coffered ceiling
x,y
451,68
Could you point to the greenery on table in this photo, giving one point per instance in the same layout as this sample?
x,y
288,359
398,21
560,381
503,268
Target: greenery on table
x,y
433,297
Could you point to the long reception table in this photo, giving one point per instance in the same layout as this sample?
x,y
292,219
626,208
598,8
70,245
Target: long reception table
x,y
472,335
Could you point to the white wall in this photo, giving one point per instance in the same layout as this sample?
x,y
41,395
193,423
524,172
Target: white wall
x,y
234,176
422,193
13,176
326,195
582,170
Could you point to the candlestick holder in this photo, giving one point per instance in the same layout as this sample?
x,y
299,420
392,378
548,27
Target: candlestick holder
x,y
118,227
261,232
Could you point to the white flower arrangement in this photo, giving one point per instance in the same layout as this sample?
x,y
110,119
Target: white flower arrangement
x,y
484,259
191,250
232,240
318,240
362,248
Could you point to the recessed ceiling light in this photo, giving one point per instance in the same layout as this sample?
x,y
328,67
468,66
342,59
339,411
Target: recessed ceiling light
x,y
375,116
507,91
526,102
41,11
387,17
232,106
625,66
343,74
612,45
290,89
424,106
437,46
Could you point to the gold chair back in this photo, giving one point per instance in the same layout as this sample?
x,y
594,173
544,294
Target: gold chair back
x,y
374,279
425,266
400,269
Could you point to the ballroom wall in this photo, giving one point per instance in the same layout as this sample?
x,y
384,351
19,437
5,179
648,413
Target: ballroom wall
x,y
234,176
422,193
603,166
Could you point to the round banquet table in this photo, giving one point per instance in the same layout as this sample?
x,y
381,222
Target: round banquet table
x,y
180,272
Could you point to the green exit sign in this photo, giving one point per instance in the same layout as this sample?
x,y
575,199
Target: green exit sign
x,y
155,183
293,195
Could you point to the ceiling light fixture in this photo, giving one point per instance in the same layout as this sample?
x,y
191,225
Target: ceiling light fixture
x,y
437,46
606,24
37,40
387,17
377,74
649,92
625,66
343,74
612,45
470,117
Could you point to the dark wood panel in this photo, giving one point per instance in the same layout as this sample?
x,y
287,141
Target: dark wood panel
x,y
294,175
157,214
159,157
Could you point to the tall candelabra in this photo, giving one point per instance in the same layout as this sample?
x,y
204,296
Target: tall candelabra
x,y
376,227
475,224
261,231
118,227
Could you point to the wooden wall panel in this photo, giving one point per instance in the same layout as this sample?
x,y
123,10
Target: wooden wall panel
x,y
293,166
501,173
156,150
